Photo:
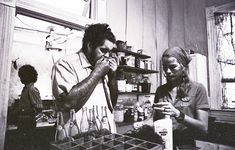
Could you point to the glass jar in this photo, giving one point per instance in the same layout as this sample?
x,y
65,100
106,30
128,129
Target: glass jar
x,y
146,84
118,113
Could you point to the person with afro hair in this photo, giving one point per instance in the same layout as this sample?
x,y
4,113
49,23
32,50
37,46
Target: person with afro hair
x,y
30,104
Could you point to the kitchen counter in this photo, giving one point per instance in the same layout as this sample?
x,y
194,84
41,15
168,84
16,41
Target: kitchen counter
x,y
223,116
221,127
221,133
44,134
38,125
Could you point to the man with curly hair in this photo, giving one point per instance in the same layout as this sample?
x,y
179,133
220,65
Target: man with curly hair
x,y
30,104
88,77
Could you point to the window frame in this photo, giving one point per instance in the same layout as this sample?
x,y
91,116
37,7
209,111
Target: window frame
x,y
41,11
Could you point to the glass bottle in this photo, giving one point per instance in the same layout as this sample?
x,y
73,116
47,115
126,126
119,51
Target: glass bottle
x,y
136,111
118,113
73,126
60,133
84,121
140,83
146,84
134,82
105,121
121,81
140,111
92,125
147,107
97,119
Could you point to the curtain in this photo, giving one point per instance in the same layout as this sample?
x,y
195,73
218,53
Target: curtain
x,y
225,48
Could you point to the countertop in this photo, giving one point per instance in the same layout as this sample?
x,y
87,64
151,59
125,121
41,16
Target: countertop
x,y
38,125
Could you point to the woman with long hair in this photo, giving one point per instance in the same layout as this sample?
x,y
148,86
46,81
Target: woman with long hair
x,y
184,100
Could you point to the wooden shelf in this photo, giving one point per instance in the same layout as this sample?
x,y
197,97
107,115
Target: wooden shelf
x,y
135,93
138,55
224,80
136,70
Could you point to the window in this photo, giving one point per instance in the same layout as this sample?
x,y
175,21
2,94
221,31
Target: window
x,y
41,51
221,55
81,13
77,7
225,49
44,30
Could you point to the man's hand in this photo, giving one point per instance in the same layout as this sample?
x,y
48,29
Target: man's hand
x,y
104,65
113,64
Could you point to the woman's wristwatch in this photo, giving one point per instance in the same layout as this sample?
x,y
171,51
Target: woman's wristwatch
x,y
181,117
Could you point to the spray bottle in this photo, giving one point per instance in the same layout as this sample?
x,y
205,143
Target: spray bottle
x,y
163,127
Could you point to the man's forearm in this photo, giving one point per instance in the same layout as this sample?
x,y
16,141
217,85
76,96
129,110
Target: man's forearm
x,y
80,93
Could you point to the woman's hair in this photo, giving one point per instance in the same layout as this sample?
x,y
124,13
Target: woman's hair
x,y
27,74
178,53
95,35
184,59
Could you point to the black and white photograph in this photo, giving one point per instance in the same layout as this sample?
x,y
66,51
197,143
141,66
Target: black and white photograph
x,y
117,75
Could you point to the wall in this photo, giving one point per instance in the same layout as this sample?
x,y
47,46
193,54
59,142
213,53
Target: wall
x,y
162,33
144,25
187,25
176,23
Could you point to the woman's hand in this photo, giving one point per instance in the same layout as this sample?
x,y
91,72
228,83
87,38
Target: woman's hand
x,y
166,108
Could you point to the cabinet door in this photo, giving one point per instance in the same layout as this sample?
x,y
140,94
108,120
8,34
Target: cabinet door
x,y
202,145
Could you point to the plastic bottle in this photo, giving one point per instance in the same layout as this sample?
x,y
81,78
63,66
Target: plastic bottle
x,y
84,125
73,126
163,127
60,133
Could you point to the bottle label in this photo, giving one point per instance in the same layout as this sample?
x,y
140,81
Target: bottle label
x,y
163,128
